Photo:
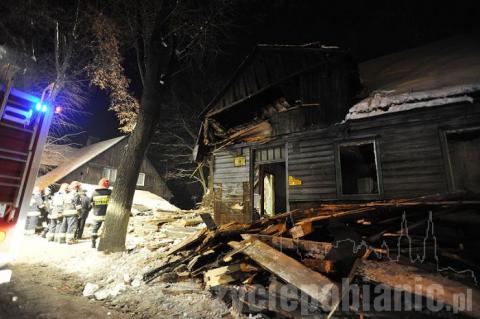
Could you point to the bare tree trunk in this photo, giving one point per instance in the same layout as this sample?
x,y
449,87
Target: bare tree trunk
x,y
119,207
159,63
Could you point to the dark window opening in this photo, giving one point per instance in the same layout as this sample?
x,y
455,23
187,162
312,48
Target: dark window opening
x,y
464,156
358,169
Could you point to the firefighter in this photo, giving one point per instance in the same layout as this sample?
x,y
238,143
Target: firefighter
x,y
33,214
56,214
100,199
47,210
71,209
85,203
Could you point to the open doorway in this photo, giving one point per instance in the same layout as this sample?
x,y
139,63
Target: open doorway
x,y
270,186
270,191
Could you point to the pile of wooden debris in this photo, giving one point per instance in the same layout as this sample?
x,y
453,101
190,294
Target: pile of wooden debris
x,y
305,261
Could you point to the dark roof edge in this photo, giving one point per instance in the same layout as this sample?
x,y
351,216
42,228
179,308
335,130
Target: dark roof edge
x,y
304,47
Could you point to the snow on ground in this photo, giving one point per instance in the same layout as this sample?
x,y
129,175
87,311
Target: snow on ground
x,y
144,198
113,280
153,201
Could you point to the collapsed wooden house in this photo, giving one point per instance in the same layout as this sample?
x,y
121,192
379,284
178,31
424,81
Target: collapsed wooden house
x,y
297,126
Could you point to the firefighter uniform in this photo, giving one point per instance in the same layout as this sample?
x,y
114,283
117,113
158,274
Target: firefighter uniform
x,y
71,207
47,211
85,203
100,199
33,214
56,215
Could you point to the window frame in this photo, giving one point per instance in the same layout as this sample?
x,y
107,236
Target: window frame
x,y
110,171
143,179
338,168
451,187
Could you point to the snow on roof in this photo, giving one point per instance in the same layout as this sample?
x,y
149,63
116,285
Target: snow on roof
x,y
54,155
435,74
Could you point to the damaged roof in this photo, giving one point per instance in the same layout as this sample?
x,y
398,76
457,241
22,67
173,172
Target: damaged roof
x,y
77,159
267,66
438,73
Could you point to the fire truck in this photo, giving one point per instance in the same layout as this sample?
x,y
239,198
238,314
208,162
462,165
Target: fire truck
x,y
24,123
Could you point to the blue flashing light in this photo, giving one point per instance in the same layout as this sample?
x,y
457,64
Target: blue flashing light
x,y
41,107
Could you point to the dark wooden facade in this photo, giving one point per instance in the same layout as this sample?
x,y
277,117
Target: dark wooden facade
x,y
92,171
306,153
411,150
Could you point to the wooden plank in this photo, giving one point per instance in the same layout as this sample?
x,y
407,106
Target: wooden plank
x,y
324,266
349,279
276,229
313,247
338,215
310,282
301,230
208,220
415,281
226,274
194,238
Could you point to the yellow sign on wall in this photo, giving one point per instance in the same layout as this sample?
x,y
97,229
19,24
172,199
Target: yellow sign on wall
x,y
239,161
292,181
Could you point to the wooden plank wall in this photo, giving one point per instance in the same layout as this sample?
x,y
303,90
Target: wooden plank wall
x,y
231,187
92,171
312,161
410,153
411,159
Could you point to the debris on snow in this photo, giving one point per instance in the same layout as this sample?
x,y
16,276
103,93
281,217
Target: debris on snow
x,y
90,289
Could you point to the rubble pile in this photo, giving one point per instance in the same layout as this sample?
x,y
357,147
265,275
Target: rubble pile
x,y
306,256
118,279
154,228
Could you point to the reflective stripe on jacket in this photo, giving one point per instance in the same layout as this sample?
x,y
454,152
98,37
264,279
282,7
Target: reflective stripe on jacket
x,y
100,199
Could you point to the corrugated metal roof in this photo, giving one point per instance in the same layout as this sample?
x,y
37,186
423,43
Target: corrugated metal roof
x,y
77,159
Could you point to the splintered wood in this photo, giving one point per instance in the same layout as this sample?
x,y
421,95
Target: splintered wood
x,y
312,283
316,252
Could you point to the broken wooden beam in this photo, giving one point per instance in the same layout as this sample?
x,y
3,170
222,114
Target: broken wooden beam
x,y
323,266
188,242
320,249
290,270
416,281
275,229
208,220
226,274
301,230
